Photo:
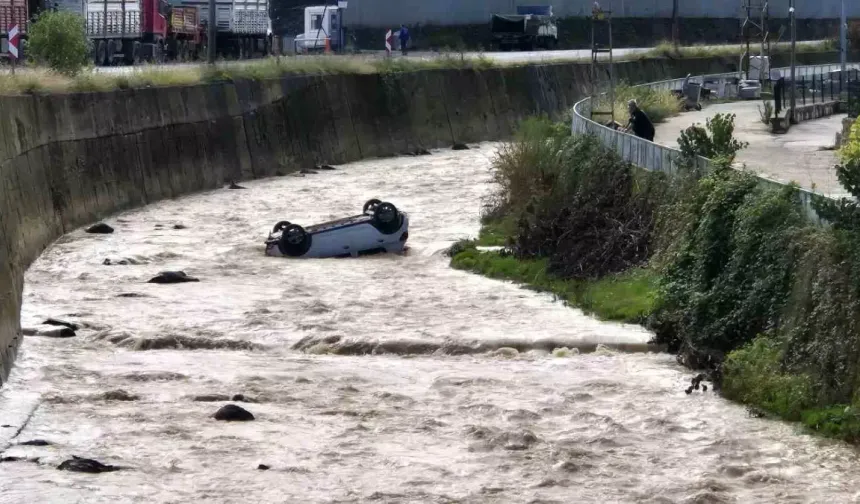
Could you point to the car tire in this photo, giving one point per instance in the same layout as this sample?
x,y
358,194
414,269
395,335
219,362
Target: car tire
x,y
294,241
370,205
386,218
280,226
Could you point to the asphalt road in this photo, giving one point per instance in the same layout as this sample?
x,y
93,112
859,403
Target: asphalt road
x,y
501,57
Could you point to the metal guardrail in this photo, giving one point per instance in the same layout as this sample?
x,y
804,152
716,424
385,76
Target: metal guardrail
x,y
656,157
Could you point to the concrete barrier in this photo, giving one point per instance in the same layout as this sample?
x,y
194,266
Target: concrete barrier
x,y
656,157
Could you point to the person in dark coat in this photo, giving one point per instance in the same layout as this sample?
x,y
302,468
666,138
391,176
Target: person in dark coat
x,y
639,124
404,38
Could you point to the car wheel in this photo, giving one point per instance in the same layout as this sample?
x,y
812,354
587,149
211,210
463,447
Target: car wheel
x,y
386,218
280,226
295,241
370,205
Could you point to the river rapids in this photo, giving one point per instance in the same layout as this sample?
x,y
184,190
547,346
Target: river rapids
x,y
359,371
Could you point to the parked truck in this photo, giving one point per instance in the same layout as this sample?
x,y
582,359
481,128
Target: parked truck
x,y
243,26
131,31
322,23
530,28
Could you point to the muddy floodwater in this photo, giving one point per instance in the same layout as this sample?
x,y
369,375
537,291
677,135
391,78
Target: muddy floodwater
x,y
138,385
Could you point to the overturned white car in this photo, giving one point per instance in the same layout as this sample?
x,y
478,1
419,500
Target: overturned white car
x,y
381,227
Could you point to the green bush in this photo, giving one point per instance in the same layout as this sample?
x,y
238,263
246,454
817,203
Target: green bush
x,y
715,141
658,105
575,203
58,39
729,276
754,374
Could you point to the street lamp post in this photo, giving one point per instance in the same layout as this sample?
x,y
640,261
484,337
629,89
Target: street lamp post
x,y
843,39
791,14
210,36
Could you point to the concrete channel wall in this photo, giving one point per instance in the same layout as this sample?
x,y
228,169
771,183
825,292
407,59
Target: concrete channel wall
x,y
67,160
655,157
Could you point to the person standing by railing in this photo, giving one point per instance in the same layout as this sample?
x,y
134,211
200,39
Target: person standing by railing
x,y
639,122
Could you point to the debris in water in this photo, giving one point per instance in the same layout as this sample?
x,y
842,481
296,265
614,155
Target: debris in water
x,y
172,277
233,413
78,464
506,352
100,228
565,352
603,350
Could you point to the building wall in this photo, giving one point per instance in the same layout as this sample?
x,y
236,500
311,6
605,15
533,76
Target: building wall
x,y
388,13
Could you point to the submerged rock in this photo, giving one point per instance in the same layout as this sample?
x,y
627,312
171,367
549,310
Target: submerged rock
x,y
100,228
233,413
459,146
119,395
50,332
211,398
78,464
58,322
172,277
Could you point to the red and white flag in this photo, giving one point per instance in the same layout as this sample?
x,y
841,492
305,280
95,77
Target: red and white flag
x,y
389,39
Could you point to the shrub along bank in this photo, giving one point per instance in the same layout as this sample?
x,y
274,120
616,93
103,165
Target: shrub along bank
x,y
727,273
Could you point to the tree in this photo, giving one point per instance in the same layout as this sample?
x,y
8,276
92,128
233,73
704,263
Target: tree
x,y
58,39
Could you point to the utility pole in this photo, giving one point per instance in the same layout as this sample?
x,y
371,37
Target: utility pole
x,y
675,22
843,39
792,14
210,37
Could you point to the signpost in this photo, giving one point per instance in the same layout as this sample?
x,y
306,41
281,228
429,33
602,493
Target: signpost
x,y
14,40
389,40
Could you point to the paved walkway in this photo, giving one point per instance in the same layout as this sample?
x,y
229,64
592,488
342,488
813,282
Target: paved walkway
x,y
801,155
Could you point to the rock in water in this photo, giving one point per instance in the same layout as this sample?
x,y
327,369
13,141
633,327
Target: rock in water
x,y
180,226
422,152
234,185
50,332
35,442
326,167
233,413
263,467
58,322
308,171
172,277
459,146
100,228
78,464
